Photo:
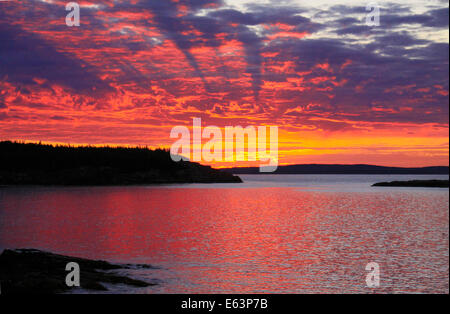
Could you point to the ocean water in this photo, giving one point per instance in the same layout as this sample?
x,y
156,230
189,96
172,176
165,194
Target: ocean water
x,y
270,234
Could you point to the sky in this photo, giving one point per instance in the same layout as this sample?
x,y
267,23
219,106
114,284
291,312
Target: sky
x,y
338,90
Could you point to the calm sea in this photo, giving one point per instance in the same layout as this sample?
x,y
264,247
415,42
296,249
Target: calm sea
x,y
271,234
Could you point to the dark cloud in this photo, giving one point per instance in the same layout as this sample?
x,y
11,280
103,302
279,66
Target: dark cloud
x,y
345,10
389,20
354,30
165,16
347,21
371,78
438,53
60,118
263,15
399,39
439,18
389,17
432,18
254,43
3,116
26,56
174,26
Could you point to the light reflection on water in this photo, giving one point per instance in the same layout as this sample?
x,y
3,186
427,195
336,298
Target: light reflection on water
x,y
288,234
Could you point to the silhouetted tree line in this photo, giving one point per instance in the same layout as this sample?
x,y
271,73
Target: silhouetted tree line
x,y
31,163
26,156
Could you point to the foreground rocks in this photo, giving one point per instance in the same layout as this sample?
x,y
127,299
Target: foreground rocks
x,y
34,271
416,183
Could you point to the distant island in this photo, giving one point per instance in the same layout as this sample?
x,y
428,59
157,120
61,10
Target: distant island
x,y
39,164
416,183
341,169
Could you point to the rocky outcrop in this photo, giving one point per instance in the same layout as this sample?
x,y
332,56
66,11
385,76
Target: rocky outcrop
x,y
416,183
34,271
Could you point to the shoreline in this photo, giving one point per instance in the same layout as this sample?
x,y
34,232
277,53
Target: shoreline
x,y
48,165
113,185
415,183
33,271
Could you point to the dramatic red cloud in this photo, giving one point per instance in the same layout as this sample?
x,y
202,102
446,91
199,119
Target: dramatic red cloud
x,y
135,69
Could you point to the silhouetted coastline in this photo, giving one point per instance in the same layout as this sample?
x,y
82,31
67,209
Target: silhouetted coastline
x,y
35,272
341,169
38,164
416,183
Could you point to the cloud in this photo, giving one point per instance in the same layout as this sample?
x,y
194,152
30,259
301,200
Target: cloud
x,y
147,61
26,56
433,18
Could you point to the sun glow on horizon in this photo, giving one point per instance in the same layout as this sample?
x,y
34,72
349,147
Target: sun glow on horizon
x,y
338,90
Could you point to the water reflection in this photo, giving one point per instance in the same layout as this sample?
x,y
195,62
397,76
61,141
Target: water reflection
x,y
226,239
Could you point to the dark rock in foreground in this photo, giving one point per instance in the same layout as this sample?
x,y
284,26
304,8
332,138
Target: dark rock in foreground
x,y
36,164
34,271
416,183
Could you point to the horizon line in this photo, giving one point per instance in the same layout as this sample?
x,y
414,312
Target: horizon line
x,y
145,146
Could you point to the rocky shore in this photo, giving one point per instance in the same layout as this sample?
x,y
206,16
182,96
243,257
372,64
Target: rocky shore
x,y
416,183
33,271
